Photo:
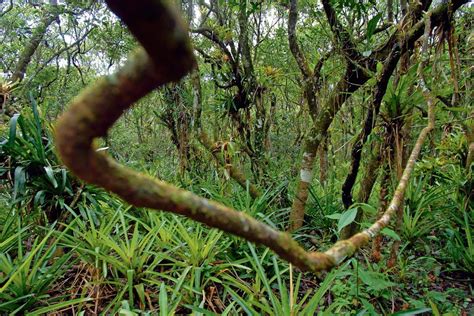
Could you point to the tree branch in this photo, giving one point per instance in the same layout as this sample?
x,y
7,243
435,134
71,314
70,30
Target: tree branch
x,y
293,41
8,9
343,37
59,52
379,91
212,36
30,49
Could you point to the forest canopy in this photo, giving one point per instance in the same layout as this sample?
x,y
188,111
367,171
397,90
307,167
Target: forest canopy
x,y
236,157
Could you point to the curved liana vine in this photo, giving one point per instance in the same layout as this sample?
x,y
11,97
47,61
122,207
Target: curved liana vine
x,y
167,56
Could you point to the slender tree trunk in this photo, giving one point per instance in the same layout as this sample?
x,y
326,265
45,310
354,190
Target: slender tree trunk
x,y
402,136
367,183
258,158
383,202
177,117
302,191
184,140
269,123
350,83
390,10
470,150
323,161
31,47
404,7
369,123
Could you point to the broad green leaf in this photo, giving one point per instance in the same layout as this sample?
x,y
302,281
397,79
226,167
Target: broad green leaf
x,y
367,208
12,131
19,181
346,218
39,199
372,24
334,216
391,233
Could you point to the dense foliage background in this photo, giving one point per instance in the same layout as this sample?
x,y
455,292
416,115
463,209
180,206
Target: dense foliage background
x,y
237,131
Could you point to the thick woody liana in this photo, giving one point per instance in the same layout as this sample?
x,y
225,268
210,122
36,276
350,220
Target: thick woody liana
x,y
167,56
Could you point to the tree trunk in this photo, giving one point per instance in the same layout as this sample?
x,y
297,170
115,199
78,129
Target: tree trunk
x,y
390,11
30,48
367,183
258,157
323,161
383,202
234,172
350,83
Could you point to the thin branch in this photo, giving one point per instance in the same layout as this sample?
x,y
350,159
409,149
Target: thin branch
x,y
212,36
59,52
8,9
300,58
342,36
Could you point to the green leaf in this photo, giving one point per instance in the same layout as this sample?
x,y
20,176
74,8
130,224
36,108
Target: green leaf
x,y
163,300
38,199
20,180
434,308
391,233
346,218
415,311
367,208
374,280
50,175
379,67
372,24
334,216
12,131
58,306
242,302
